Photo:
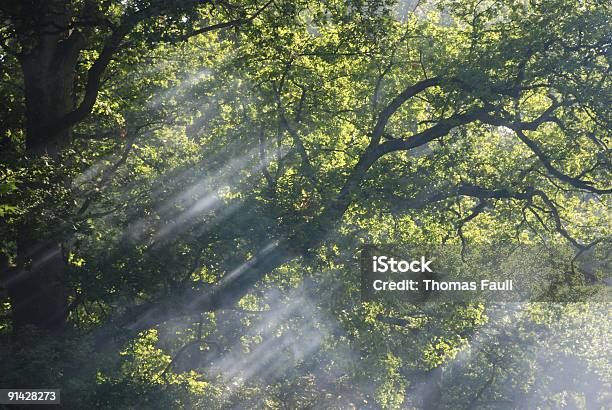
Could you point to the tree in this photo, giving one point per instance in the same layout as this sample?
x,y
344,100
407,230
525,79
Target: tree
x,y
460,101
207,185
54,42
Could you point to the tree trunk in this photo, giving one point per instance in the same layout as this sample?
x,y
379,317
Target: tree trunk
x,y
48,75
37,291
48,61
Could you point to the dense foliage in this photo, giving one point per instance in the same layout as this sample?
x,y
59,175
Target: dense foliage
x,y
185,186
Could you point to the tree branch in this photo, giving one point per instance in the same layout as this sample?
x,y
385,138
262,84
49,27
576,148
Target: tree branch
x,y
226,24
396,103
442,128
545,160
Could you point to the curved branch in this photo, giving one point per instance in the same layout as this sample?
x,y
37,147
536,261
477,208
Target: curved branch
x,y
111,46
94,77
397,102
520,127
483,194
442,128
575,182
